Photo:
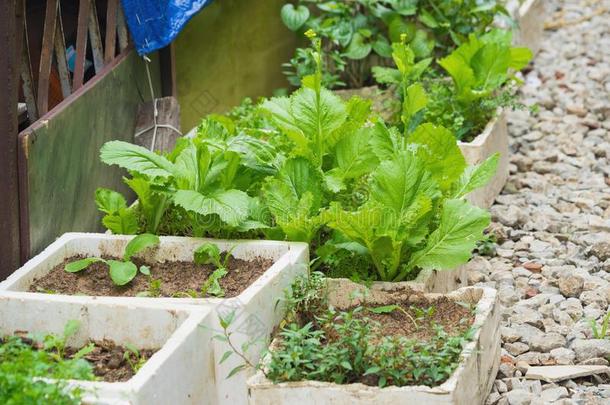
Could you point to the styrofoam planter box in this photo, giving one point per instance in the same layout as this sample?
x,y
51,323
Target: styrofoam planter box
x,y
494,139
530,18
256,308
181,372
469,384
440,281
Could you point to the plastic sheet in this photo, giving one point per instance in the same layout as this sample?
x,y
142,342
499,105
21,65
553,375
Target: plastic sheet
x,y
153,24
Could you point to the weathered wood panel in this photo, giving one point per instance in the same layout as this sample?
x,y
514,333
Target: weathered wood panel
x,y
232,49
59,155
11,22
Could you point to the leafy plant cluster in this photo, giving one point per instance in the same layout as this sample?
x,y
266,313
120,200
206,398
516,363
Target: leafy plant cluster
x,y
481,81
346,348
332,174
318,342
25,362
359,33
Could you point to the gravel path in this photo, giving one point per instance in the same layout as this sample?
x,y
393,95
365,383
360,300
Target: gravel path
x,y
552,265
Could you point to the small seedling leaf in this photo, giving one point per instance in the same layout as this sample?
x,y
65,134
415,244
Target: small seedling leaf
x,y
71,328
139,243
122,273
384,310
145,270
226,320
81,264
372,370
236,370
346,365
208,253
84,351
225,356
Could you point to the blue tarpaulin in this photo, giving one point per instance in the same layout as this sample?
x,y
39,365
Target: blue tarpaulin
x,y
155,23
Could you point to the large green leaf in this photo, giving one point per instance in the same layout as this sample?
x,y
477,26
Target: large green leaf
x,y
109,201
152,204
386,75
136,158
358,47
450,245
230,205
415,100
122,222
475,176
279,110
439,151
316,119
385,142
354,157
398,182
187,168
307,120
490,65
294,198
520,57
139,243
461,73
294,18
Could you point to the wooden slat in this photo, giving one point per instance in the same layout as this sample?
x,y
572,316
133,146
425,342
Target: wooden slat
x,y
95,38
122,31
81,44
60,56
111,27
27,82
11,24
46,56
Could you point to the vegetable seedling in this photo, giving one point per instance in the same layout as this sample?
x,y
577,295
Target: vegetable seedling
x,y
208,253
121,272
133,357
387,309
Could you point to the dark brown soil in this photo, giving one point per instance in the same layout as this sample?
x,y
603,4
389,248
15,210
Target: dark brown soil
x,y
177,278
109,363
416,320
107,359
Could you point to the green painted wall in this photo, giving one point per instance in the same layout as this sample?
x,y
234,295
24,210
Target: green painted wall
x,y
232,49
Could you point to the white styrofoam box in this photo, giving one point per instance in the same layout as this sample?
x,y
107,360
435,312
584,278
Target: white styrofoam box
x,y
530,17
181,372
469,384
440,281
256,309
493,139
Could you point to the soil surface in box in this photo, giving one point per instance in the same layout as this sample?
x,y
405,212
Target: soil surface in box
x,y
177,278
108,360
416,320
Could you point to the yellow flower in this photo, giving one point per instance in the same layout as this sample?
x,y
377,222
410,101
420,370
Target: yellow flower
x,y
310,33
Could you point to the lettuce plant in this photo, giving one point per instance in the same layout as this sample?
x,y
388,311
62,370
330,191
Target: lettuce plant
x,y
416,217
199,188
329,152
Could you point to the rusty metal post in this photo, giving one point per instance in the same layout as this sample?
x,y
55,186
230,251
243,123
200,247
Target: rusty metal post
x,y
11,36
